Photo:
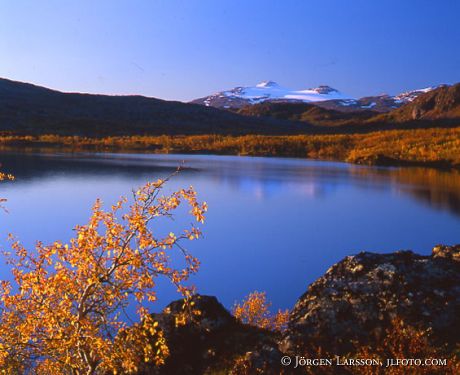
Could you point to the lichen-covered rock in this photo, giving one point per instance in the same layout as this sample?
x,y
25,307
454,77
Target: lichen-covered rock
x,y
356,300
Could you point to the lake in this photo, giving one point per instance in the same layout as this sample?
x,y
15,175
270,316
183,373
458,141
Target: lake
x,y
274,224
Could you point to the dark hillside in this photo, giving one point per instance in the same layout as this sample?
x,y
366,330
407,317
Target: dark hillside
x,y
30,109
442,103
310,113
27,109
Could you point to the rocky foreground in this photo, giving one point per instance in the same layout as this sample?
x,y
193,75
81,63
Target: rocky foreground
x,y
351,307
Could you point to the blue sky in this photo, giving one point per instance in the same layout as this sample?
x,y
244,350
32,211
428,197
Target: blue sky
x,y
186,49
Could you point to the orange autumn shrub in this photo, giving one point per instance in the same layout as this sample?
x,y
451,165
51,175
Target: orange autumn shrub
x,y
436,144
402,341
63,311
255,310
5,176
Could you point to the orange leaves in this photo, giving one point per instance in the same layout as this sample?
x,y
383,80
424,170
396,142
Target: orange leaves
x,y
154,347
5,176
66,309
254,310
197,210
401,340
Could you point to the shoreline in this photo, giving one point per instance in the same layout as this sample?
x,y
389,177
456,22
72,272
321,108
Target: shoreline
x,y
386,163
378,160
375,149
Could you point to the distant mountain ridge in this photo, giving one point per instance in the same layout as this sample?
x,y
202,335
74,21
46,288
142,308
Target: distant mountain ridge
x,y
322,96
436,107
26,109
268,91
441,103
30,109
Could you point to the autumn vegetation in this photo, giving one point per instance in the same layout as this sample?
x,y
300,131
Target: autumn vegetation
x,y
64,313
255,310
400,340
5,176
433,146
66,309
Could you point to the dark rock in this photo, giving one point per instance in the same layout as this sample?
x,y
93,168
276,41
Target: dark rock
x,y
376,159
356,300
264,361
351,306
212,342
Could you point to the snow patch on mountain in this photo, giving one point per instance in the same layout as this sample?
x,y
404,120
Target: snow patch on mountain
x,y
409,96
270,90
324,96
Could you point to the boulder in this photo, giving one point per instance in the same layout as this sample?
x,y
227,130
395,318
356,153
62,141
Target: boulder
x,y
357,299
213,341
352,305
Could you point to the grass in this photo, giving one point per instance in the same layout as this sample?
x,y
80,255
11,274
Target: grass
x,y
434,146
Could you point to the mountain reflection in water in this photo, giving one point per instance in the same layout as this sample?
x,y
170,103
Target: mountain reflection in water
x,y
437,188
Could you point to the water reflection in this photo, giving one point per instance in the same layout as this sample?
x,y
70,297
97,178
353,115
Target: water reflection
x,y
260,177
439,189
274,224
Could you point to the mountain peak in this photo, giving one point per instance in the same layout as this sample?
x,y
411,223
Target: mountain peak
x,y
241,96
323,95
324,89
267,84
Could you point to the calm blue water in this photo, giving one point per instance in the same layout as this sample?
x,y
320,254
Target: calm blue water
x,y
273,224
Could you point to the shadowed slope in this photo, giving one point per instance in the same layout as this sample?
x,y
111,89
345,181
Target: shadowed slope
x,y
30,109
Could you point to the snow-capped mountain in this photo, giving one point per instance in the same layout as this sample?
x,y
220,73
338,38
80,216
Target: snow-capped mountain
x,y
268,91
409,96
323,96
378,103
